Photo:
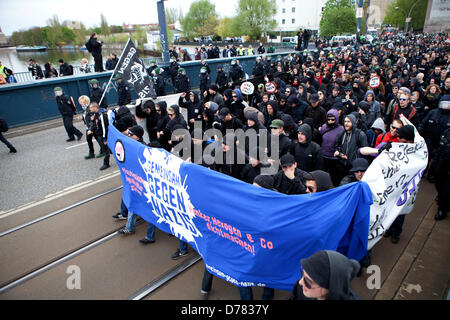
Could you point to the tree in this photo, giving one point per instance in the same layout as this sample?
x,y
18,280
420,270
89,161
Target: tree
x,y
338,17
255,17
201,20
225,28
397,17
104,25
172,15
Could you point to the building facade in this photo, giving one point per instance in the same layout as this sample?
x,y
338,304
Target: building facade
x,y
293,15
438,16
377,11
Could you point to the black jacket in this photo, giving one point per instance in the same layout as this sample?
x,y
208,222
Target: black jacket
x,y
182,83
96,95
124,94
96,46
295,186
65,69
65,105
221,79
194,109
308,155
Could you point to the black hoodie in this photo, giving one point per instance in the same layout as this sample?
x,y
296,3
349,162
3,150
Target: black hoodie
x,y
340,271
307,155
194,108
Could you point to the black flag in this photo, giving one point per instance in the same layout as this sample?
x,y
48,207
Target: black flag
x,y
131,68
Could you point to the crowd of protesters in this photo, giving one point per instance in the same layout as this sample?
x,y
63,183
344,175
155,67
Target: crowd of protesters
x,y
331,112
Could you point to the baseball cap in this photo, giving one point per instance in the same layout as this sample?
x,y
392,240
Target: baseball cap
x,y
223,113
277,123
287,160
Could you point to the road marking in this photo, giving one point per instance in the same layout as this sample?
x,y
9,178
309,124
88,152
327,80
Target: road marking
x,y
77,145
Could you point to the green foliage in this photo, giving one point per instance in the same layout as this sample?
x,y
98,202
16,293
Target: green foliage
x,y
225,28
338,18
172,15
201,20
397,17
104,25
97,30
255,17
116,29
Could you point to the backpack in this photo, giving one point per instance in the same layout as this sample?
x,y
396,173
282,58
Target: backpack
x,y
88,45
3,125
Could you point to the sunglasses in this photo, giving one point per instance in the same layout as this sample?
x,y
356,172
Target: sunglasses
x,y
159,110
234,96
403,99
395,128
170,114
129,133
311,189
331,119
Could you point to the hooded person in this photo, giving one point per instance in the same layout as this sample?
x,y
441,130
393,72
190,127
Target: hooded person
x,y
290,127
264,181
124,119
296,108
347,144
176,119
306,152
375,106
271,113
162,119
318,181
238,104
376,129
330,131
326,275
316,136
146,110
194,107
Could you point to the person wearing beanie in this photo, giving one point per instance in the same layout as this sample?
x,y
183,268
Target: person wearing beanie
x,y
290,179
221,79
307,153
326,275
406,134
182,82
214,95
356,173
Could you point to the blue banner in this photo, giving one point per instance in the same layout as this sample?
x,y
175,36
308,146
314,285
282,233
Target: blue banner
x,y
245,234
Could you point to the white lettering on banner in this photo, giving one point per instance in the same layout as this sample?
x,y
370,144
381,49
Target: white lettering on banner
x,y
168,195
127,60
393,178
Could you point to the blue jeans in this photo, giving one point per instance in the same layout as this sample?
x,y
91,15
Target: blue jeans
x,y
123,209
183,246
246,293
131,225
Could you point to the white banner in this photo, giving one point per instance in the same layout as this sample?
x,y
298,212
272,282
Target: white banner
x,y
393,178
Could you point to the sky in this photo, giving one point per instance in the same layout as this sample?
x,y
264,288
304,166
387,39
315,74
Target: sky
x,y
24,14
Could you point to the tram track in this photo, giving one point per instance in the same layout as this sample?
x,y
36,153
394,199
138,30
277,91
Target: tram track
x,y
69,255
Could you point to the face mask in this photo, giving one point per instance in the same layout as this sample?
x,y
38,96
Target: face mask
x,y
58,93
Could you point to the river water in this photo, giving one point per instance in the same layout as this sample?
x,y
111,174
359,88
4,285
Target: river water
x,y
18,61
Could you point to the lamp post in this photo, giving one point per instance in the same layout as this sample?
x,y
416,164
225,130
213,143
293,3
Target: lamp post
x,y
163,32
359,13
408,16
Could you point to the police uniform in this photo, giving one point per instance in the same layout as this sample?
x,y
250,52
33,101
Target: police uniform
x,y
67,110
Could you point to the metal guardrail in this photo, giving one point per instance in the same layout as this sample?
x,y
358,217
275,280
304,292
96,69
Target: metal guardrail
x,y
27,76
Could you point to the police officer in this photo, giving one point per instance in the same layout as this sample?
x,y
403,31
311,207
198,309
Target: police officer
x,y
236,73
432,127
67,109
441,159
158,80
182,83
97,93
122,91
98,127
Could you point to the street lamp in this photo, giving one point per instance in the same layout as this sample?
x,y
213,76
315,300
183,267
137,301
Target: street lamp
x,y
408,17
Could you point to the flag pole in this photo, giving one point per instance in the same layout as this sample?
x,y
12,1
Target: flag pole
x,y
112,75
